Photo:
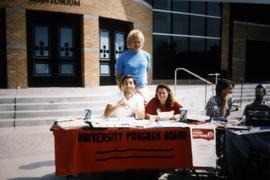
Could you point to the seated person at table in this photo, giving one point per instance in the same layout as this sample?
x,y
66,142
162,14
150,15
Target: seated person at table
x,y
260,92
126,103
220,105
162,102
257,109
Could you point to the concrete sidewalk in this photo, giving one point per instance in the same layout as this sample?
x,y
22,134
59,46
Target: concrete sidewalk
x,y
27,153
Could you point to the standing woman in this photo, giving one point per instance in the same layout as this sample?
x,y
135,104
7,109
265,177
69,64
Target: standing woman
x,y
163,102
135,62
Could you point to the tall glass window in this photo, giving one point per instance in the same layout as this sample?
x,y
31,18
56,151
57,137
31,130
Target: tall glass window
x,y
197,7
213,27
162,4
162,22
180,45
197,26
180,6
180,24
186,34
41,41
197,45
119,44
66,41
213,9
162,53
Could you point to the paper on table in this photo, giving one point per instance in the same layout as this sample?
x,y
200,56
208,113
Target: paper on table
x,y
117,122
70,124
254,130
166,123
194,117
165,115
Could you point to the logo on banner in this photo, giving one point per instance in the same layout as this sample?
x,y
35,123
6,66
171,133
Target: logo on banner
x,y
207,134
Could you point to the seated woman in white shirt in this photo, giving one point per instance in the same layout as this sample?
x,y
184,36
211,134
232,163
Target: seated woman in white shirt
x,y
126,103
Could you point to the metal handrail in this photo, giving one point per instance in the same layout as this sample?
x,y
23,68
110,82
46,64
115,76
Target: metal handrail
x,y
193,74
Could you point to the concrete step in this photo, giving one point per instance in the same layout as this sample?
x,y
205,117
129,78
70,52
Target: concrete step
x,y
40,106
38,121
44,99
30,121
51,112
60,105
6,100
8,122
7,115
54,113
7,107
51,106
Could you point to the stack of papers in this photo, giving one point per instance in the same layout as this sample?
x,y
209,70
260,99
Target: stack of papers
x,y
165,115
201,118
166,124
133,123
125,122
71,123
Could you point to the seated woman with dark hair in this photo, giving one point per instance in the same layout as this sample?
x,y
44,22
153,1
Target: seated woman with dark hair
x,y
162,102
219,106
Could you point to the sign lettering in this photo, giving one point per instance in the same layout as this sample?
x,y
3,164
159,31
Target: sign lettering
x,y
100,137
58,2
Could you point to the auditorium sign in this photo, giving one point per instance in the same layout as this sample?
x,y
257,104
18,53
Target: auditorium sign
x,y
58,2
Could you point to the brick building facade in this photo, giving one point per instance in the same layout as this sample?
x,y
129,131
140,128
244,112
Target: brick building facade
x,y
83,38
137,13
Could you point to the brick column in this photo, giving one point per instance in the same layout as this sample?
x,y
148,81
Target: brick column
x,y
225,37
16,48
90,66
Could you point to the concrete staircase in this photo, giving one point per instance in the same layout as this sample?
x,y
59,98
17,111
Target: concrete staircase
x,y
39,106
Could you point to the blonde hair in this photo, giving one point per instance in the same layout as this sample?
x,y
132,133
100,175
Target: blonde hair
x,y
135,33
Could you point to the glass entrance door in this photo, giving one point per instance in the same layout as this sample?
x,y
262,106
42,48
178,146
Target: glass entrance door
x,y
54,56
112,42
108,57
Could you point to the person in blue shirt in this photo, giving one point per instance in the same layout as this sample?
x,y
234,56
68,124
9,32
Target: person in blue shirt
x,y
218,108
220,105
134,61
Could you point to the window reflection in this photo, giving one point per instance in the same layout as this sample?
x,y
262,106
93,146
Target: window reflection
x,y
197,26
180,55
41,41
213,27
162,22
179,46
213,45
161,4
104,52
213,9
181,6
67,70
42,69
162,54
180,24
119,44
197,7
197,45
66,42
104,69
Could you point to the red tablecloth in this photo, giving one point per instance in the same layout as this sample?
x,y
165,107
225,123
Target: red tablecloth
x,y
95,150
